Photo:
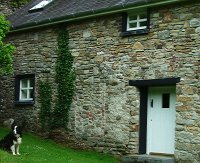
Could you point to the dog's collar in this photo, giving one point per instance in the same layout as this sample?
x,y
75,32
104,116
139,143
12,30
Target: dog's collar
x,y
15,131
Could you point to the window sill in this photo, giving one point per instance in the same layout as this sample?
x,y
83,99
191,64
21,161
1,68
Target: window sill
x,y
134,32
19,103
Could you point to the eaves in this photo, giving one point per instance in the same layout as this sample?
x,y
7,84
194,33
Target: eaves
x,y
91,14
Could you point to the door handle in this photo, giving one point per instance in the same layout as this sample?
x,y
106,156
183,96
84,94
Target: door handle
x,y
152,103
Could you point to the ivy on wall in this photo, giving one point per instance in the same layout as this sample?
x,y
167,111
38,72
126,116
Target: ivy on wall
x,y
65,77
18,3
45,99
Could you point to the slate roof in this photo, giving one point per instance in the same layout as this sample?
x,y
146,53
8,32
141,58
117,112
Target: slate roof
x,y
60,10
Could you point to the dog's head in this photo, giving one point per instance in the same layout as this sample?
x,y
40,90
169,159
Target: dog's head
x,y
17,132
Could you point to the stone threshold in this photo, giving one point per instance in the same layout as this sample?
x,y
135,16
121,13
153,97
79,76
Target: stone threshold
x,y
147,159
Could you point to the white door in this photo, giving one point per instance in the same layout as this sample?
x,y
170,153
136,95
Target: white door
x,y
161,120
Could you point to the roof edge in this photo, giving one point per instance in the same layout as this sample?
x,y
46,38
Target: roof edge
x,y
92,14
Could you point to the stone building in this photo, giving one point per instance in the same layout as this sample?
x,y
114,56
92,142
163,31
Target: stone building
x,y
137,64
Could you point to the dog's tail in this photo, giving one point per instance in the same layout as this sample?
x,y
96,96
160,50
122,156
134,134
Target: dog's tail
x,y
9,123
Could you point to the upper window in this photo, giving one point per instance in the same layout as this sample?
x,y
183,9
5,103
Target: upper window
x,y
24,89
135,22
40,5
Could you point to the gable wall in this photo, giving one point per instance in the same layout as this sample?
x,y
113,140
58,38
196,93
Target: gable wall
x,y
5,8
35,54
105,111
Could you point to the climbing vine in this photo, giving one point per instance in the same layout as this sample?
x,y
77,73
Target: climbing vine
x,y
65,77
18,3
45,99
65,80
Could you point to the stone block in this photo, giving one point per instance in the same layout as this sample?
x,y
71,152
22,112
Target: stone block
x,y
138,46
195,22
87,33
197,30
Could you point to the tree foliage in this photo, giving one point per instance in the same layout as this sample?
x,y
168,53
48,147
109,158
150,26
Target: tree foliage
x,y
6,50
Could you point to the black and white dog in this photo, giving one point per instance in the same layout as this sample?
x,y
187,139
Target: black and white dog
x,y
12,140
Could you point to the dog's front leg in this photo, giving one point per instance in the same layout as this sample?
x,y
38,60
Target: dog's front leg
x,y
17,149
13,149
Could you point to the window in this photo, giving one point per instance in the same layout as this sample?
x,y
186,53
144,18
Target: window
x,y
40,5
165,100
135,22
24,89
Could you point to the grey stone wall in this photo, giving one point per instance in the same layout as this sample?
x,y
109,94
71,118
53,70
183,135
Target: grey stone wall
x,y
105,110
35,54
5,7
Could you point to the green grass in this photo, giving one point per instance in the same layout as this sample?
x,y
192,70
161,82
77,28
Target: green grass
x,y
35,149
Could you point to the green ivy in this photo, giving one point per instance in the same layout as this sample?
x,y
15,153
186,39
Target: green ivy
x,y
18,3
6,50
65,77
45,99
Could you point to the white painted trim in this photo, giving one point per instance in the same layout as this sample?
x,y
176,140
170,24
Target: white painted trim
x,y
28,89
137,21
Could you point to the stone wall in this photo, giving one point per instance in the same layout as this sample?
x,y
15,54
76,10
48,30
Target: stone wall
x,y
105,110
5,7
35,54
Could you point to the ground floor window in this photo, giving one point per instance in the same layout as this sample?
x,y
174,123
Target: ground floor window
x,y
24,89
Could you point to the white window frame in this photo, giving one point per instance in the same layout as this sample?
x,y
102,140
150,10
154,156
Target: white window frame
x,y
137,21
28,89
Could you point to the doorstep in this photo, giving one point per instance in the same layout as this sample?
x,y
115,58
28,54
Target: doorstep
x,y
147,159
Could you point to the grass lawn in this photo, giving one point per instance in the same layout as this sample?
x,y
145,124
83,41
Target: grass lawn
x,y
35,149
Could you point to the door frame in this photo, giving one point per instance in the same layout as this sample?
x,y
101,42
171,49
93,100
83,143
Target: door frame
x,y
143,85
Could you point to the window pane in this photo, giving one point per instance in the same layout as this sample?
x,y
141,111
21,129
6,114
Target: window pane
x,y
132,25
165,100
24,83
132,17
31,93
23,94
143,24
